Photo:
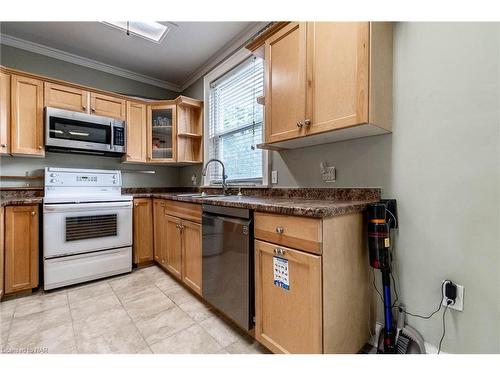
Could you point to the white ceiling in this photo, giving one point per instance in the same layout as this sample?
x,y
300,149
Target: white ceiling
x,y
184,51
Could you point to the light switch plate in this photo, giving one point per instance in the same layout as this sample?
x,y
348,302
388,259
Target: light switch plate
x,y
274,177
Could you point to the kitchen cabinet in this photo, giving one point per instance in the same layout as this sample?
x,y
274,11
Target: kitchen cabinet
x,y
159,232
189,130
288,320
65,97
191,255
327,304
182,241
136,132
2,253
161,133
285,77
327,82
143,231
21,248
174,246
27,137
108,106
4,113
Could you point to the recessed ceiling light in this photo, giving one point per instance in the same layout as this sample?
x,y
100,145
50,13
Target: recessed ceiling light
x,y
153,31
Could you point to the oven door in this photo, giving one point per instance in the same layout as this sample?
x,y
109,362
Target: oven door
x,y
85,227
74,130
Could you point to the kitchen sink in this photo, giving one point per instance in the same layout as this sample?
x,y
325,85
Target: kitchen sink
x,y
200,195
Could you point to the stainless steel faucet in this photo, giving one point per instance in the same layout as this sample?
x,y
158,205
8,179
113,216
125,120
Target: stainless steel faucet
x,y
224,176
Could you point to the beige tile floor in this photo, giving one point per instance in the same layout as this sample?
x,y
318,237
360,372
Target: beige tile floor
x,y
146,311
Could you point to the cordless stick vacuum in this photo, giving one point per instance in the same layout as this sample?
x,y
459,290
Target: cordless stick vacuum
x,y
378,246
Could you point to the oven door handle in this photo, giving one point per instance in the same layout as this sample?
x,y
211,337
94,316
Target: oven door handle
x,y
76,207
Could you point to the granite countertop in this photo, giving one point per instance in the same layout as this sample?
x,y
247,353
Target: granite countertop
x,y
300,202
286,206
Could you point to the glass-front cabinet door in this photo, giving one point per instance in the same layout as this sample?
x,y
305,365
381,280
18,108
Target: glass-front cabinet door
x,y
162,133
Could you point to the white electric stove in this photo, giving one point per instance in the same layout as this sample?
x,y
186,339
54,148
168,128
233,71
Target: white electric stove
x,y
87,226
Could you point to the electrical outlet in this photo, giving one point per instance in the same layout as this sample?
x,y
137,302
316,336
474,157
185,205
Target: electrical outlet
x,y
328,174
459,300
274,177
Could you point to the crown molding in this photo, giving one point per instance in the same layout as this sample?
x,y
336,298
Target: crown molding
x,y
224,53
83,61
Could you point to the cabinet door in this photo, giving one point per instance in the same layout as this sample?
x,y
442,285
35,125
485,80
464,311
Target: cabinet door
x,y
288,320
191,255
338,71
162,133
109,106
174,245
136,132
65,97
159,232
2,253
21,248
4,113
285,78
27,116
143,230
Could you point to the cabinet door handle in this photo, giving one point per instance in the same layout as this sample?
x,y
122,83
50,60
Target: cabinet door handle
x,y
4,145
92,109
280,230
307,122
300,124
84,107
136,204
33,213
40,147
279,251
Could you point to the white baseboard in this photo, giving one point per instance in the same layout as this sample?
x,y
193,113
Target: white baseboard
x,y
429,348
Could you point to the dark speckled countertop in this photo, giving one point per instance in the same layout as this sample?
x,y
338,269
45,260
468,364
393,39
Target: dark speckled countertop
x,y
299,202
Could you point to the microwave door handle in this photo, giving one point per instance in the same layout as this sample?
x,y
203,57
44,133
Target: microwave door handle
x,y
112,145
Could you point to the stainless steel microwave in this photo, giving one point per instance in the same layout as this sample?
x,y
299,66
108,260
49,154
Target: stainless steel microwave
x,y
69,131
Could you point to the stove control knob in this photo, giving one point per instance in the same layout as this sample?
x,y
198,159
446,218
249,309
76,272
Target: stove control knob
x,y
52,175
114,182
53,180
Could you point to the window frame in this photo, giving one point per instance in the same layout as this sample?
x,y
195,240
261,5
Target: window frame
x,y
234,60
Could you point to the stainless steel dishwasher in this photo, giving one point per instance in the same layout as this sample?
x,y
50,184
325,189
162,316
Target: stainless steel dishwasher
x,y
228,282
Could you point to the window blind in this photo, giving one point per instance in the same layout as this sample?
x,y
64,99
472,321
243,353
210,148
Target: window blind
x,y
235,123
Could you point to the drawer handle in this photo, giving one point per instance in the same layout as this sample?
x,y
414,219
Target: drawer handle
x,y
279,251
280,230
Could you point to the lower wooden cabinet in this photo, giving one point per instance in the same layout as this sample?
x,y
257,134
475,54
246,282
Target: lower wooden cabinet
x,y
174,245
191,255
328,304
177,241
2,254
288,320
143,231
21,248
159,232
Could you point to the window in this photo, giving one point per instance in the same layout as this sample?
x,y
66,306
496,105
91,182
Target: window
x,y
235,121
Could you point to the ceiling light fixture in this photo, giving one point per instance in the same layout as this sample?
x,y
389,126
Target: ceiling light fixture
x,y
150,30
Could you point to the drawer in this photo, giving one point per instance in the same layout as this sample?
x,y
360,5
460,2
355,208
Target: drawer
x,y
184,210
302,233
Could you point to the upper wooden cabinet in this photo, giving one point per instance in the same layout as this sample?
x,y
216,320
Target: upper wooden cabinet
x,y
161,135
21,248
4,113
285,78
136,133
143,231
327,82
27,116
108,106
65,97
189,130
